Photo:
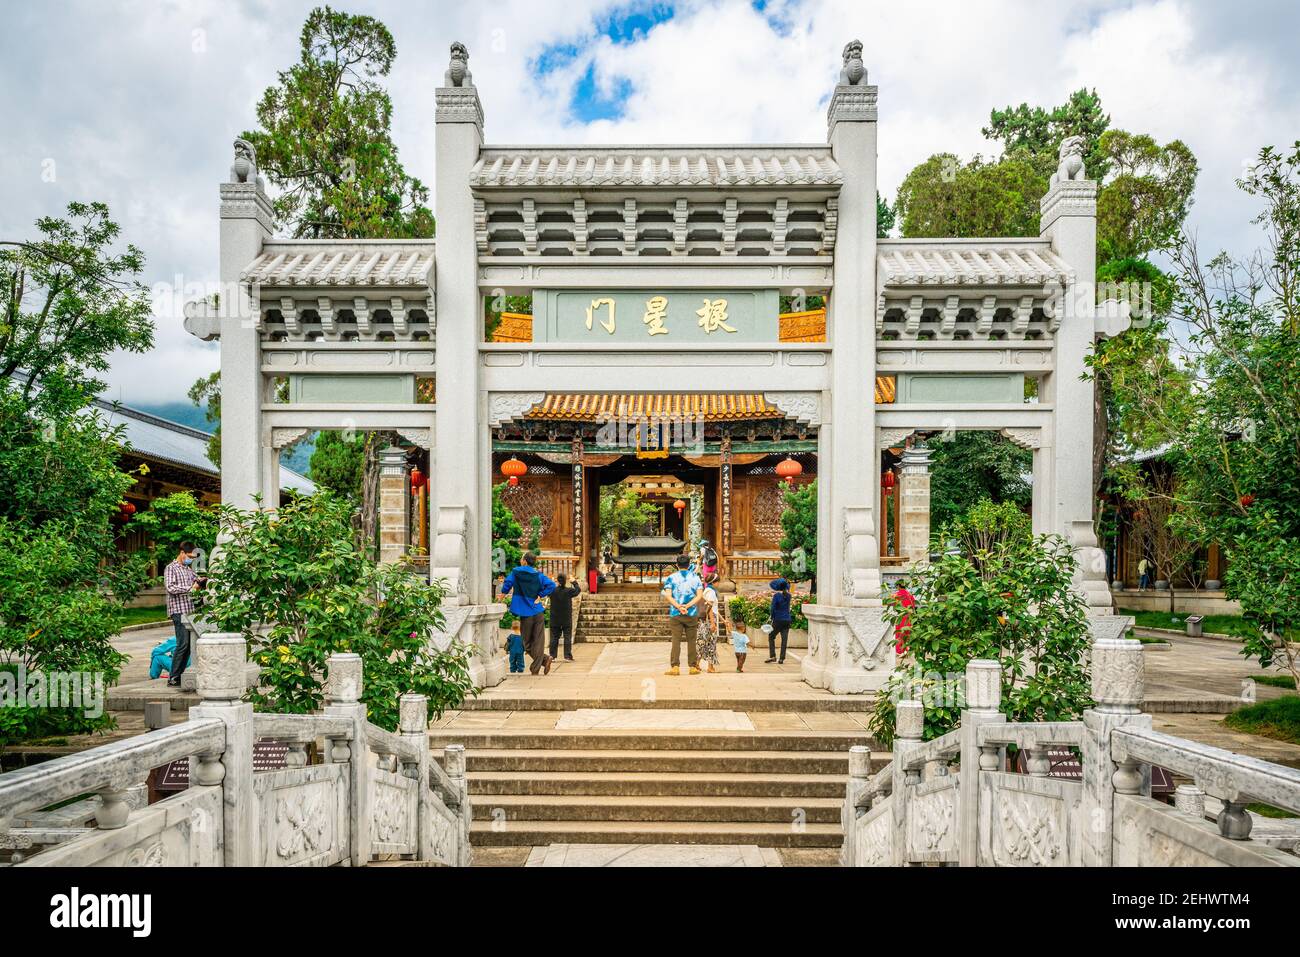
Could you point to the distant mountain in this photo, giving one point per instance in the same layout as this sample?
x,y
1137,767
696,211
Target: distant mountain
x,y
183,413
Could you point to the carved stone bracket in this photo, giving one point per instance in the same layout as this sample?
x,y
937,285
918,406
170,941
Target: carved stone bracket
x,y
1025,438
505,406
892,438
421,438
282,436
805,407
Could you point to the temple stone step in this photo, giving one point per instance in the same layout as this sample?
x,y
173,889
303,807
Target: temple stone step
x,y
537,833
720,743
656,760
657,783
592,807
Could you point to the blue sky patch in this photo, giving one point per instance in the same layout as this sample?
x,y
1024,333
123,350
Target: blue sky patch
x,y
625,24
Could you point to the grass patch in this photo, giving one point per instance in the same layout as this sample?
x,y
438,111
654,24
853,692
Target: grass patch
x,y
1233,625
1268,810
1276,681
142,616
1278,719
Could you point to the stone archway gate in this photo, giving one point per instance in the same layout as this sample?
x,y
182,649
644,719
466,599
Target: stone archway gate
x,y
621,249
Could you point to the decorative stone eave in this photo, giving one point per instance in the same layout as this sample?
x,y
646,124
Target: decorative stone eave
x,y
963,263
638,167
359,264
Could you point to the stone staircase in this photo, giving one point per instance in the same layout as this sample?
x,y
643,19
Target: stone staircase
x,y
622,616
771,789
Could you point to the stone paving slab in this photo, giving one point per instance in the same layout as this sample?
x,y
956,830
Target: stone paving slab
x,y
653,855
667,719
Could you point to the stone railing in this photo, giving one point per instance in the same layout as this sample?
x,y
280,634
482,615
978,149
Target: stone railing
x,y
952,800
372,793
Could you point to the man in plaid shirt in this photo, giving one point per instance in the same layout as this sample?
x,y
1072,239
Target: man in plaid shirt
x,y
181,583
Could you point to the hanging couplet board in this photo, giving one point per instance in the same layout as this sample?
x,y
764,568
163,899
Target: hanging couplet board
x,y
654,317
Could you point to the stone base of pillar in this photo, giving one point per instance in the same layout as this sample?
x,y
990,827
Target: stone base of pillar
x,y
850,650
477,627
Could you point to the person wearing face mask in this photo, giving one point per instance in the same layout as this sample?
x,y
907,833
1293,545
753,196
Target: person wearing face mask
x,y
181,583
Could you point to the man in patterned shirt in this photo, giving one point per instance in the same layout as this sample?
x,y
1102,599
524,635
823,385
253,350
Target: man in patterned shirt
x,y
181,583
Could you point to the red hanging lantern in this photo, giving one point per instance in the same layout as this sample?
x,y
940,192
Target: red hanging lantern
x,y
680,506
789,469
1247,501
418,480
887,481
512,468
125,511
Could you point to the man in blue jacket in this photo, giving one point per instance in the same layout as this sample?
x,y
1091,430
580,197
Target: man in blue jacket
x,y
529,586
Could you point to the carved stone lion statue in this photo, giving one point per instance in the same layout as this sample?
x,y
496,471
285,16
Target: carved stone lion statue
x,y
244,168
854,72
1071,161
458,71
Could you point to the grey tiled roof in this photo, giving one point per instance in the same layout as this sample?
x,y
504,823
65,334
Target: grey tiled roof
x,y
177,444
398,264
636,166
986,262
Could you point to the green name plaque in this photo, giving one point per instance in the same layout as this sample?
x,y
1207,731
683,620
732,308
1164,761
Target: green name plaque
x,y
650,316
956,388
388,389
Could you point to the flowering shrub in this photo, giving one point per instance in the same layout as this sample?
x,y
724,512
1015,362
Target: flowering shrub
x,y
296,585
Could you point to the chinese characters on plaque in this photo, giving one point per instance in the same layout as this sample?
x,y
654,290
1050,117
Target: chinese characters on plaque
x,y
713,316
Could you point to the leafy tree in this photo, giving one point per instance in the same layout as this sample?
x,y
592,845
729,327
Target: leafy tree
x,y
885,218
325,137
1009,600
1230,415
799,534
506,534
535,534
173,519
622,513
1038,132
67,299
985,527
338,463
973,467
296,585
206,394
945,197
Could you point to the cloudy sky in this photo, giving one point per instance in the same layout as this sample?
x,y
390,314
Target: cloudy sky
x,y
135,103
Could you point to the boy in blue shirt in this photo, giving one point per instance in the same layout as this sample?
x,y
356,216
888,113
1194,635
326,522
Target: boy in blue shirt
x,y
515,647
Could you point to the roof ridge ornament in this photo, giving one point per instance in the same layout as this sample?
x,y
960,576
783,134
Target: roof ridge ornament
x,y
458,70
854,100
854,71
457,100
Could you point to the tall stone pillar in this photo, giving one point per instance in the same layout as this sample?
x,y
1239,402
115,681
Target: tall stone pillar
x,y
848,648
246,223
851,571
914,504
460,485
1069,220
394,519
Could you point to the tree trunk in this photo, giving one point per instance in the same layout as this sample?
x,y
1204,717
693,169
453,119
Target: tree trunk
x,y
367,517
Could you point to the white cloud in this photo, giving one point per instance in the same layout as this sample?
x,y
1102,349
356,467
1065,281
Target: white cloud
x,y
132,113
